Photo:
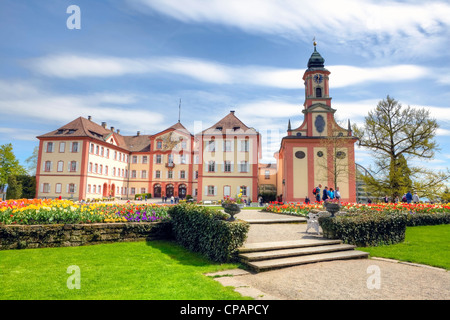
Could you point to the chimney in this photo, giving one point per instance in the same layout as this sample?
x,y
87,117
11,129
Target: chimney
x,y
104,125
232,111
112,129
138,133
89,118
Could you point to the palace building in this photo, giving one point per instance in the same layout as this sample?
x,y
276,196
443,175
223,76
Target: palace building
x,y
86,160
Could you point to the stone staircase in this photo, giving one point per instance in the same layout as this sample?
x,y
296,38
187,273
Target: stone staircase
x,y
265,256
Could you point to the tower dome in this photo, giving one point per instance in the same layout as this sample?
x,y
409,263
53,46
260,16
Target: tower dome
x,y
316,60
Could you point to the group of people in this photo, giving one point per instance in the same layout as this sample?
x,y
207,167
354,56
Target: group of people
x,y
407,197
327,194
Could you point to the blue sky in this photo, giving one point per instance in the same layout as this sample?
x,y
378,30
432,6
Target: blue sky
x,y
133,60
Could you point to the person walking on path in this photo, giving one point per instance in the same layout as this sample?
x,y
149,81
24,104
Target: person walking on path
x,y
337,194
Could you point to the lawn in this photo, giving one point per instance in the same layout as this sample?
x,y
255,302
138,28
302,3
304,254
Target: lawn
x,y
428,245
157,270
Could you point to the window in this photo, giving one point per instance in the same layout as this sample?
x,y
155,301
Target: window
x,y
183,144
244,190
227,166
48,166
267,174
183,159
133,190
115,155
101,169
244,166
245,145
107,153
157,174
94,189
170,174
92,148
90,167
60,166
49,146
133,173
144,159
226,191
211,146
170,159
58,188
134,159
46,188
71,188
318,92
89,188
73,166
106,170
158,144
144,174
99,189
74,146
95,168
211,190
143,190
211,166
97,148
102,151
196,175
158,158
182,174
114,171
62,146
227,145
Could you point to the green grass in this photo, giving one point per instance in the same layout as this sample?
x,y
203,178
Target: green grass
x,y
428,245
157,270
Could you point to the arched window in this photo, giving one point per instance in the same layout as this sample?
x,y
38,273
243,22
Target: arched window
x,y
318,92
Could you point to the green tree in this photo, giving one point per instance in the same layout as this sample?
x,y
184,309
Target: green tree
x,y
31,161
9,165
28,186
14,190
397,135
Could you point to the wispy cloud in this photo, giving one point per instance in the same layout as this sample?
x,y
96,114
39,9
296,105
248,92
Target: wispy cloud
x,y
74,66
386,27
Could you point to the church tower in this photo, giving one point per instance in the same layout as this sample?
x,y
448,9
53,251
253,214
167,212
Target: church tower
x,y
319,151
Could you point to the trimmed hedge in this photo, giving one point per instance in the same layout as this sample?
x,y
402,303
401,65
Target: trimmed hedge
x,y
428,219
204,230
362,230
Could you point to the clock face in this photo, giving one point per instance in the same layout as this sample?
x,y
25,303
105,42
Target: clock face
x,y
318,78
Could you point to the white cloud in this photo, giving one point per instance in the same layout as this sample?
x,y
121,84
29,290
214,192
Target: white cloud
x,y
48,107
390,27
72,66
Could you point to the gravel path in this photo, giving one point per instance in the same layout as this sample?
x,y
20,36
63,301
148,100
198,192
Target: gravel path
x,y
335,280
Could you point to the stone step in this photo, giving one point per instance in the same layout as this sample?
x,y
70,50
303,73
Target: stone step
x,y
265,265
289,244
284,253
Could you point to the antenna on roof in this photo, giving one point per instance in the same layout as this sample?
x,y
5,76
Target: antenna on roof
x,y
179,111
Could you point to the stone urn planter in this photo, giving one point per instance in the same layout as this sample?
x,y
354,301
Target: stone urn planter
x,y
332,208
232,209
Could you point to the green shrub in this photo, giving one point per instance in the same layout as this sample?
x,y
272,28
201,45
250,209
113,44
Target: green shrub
x,y
428,219
136,196
369,229
204,230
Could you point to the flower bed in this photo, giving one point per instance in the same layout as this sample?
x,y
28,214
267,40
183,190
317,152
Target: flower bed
x,y
40,211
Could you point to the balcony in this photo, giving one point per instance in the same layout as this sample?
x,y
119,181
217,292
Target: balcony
x,y
170,165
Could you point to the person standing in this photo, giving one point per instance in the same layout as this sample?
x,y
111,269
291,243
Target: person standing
x,y
337,194
331,193
415,198
409,197
317,192
325,194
